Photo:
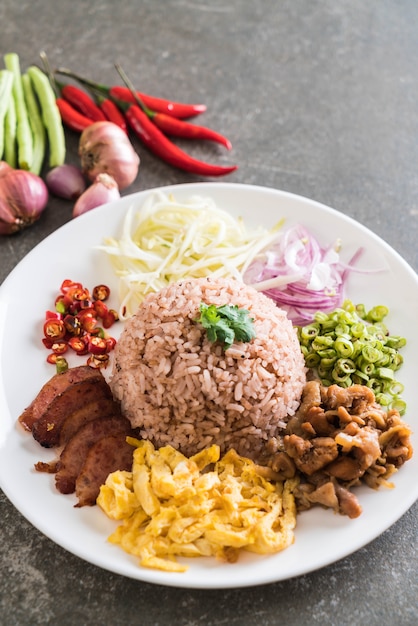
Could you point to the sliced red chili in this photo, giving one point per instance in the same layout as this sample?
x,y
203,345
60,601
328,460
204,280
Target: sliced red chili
x,y
48,342
53,315
98,361
59,347
79,345
87,320
60,362
54,329
62,303
68,284
97,345
101,292
79,294
110,318
111,343
72,324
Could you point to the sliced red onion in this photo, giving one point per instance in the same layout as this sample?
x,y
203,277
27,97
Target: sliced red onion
x,y
66,181
300,275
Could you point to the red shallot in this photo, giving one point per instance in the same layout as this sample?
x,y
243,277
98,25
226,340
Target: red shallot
x,y
105,147
23,197
66,181
104,189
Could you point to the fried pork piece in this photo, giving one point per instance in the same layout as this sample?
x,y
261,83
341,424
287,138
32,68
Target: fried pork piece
x,y
69,402
56,386
74,454
338,438
106,456
76,413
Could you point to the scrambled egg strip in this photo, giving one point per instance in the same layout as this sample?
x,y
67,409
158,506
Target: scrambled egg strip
x,y
169,506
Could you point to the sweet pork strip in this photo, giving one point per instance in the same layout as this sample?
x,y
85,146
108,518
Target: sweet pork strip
x,y
53,388
105,456
47,428
101,407
74,454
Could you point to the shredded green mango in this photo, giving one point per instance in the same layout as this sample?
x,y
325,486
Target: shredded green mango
x,y
165,241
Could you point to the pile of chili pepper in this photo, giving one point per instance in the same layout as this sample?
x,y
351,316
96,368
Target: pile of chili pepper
x,y
152,119
73,325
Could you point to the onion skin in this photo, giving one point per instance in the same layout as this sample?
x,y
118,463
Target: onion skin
x,y
23,197
103,190
66,181
105,148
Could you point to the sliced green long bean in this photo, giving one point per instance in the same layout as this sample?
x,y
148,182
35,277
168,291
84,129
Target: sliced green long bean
x,y
352,346
50,115
6,87
23,129
10,124
37,125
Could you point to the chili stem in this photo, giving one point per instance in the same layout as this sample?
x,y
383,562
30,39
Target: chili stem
x,y
131,88
23,130
50,115
10,124
37,125
6,87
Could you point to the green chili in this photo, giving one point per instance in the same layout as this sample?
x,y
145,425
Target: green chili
x,y
50,115
23,129
37,125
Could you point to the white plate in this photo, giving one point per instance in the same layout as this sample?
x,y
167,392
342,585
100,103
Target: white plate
x,y
321,536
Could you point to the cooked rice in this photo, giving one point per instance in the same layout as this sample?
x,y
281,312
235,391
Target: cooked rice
x,y
181,389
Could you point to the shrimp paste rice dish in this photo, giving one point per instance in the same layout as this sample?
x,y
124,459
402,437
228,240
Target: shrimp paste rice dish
x,y
181,389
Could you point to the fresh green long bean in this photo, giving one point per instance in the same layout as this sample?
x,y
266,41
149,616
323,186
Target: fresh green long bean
x,y
353,346
10,124
50,115
6,86
37,125
23,129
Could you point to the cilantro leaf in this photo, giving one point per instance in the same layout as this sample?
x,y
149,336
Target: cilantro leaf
x,y
226,323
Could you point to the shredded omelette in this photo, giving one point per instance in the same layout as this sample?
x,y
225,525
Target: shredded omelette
x,y
172,506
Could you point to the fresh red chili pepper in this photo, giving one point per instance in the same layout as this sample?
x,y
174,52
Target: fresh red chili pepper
x,y
112,113
180,128
73,119
159,105
160,145
83,102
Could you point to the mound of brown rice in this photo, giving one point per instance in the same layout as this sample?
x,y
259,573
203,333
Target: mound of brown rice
x,y
181,389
